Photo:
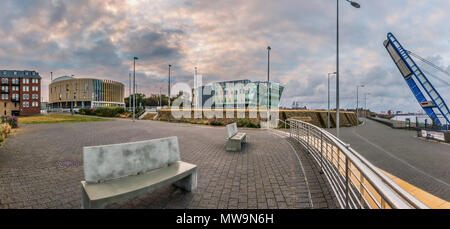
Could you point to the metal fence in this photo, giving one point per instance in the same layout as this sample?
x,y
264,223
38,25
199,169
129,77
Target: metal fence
x,y
356,183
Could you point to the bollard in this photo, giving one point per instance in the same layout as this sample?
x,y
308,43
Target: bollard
x,y
321,153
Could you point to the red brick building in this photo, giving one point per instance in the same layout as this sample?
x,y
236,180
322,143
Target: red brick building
x,y
20,93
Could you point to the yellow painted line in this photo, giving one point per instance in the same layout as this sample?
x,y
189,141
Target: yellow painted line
x,y
428,199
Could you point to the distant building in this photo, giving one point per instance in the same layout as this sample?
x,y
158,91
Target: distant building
x,y
67,92
20,92
242,94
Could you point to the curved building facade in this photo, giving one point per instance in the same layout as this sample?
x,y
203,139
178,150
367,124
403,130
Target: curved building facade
x,y
68,92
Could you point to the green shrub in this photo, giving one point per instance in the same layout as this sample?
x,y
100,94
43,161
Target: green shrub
x,y
11,121
87,111
103,111
109,111
247,123
214,122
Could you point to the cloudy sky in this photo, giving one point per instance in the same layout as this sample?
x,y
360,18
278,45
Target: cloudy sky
x,y
227,40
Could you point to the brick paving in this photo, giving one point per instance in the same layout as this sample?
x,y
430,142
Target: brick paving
x,y
41,167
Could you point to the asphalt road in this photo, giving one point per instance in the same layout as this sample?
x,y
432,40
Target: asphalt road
x,y
422,163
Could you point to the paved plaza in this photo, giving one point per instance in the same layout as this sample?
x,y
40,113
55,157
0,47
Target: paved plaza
x,y
41,167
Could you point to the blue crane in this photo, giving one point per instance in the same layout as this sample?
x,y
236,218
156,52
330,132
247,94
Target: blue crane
x,y
427,96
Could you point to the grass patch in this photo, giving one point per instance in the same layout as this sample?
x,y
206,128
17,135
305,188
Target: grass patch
x,y
58,118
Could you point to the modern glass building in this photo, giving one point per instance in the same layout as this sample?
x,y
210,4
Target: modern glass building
x,y
68,92
243,94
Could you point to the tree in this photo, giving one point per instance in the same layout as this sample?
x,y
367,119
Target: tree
x,y
140,99
154,100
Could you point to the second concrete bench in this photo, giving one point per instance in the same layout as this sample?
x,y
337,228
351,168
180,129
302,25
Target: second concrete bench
x,y
234,138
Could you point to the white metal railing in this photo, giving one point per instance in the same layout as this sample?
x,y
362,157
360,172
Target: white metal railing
x,y
356,183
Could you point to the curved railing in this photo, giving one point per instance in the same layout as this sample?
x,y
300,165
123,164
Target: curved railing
x,y
356,183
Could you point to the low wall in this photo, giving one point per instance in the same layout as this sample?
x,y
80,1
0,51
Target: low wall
x,y
393,123
318,118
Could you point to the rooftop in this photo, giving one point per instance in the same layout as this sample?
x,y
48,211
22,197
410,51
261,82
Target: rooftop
x,y
19,74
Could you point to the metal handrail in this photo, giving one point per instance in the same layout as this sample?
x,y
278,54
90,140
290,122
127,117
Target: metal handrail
x,y
354,180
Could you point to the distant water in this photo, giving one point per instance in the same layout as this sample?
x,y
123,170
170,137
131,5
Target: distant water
x,y
421,118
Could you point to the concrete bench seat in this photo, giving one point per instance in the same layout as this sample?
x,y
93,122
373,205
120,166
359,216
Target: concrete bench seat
x,y
234,138
125,171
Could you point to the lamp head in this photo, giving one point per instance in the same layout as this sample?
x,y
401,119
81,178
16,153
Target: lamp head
x,y
355,4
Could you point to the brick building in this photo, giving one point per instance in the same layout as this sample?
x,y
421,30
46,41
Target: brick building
x,y
20,92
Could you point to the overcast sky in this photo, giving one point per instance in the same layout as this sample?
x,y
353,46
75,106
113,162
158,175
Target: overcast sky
x,y
227,40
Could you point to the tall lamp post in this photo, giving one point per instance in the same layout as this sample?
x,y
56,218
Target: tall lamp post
x,y
357,104
160,103
268,86
134,87
129,90
365,103
356,5
329,74
168,96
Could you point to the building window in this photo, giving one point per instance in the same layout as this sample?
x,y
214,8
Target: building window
x,y
35,96
26,104
5,96
26,88
5,88
26,96
5,80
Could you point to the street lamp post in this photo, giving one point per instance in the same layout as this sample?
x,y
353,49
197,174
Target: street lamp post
x,y
168,96
329,74
268,86
129,90
357,103
356,5
365,103
134,87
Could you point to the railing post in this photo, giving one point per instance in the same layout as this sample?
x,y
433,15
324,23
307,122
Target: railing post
x,y
321,153
290,131
347,191
307,134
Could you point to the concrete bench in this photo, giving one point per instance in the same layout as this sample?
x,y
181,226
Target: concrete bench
x,y
234,139
124,171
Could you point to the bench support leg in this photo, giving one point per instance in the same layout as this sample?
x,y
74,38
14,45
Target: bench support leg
x,y
188,183
84,199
